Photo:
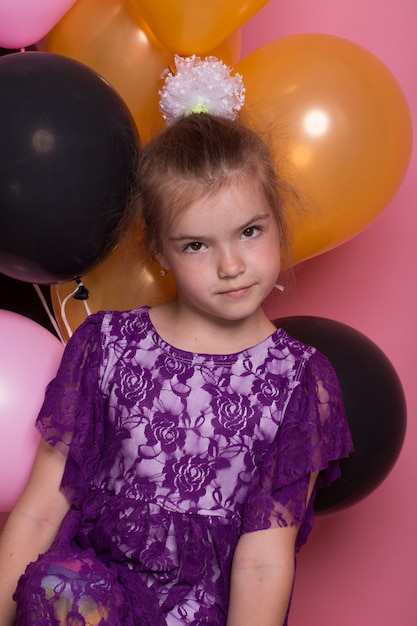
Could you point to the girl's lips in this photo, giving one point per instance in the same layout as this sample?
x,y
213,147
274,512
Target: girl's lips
x,y
235,294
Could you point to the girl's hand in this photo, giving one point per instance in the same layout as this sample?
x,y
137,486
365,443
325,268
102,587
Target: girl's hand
x,y
32,525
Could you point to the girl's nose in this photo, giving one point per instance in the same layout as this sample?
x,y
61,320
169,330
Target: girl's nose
x,y
230,264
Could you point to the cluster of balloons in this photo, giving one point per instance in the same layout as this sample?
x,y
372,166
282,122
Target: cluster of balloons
x,y
74,118
119,40
338,120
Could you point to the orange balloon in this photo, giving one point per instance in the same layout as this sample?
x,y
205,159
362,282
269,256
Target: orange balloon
x,y
228,50
115,42
121,282
340,128
103,35
188,27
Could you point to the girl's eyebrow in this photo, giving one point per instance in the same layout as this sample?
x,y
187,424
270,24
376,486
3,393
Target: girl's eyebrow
x,y
260,217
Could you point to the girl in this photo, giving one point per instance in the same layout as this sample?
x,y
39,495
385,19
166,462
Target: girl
x,y
181,443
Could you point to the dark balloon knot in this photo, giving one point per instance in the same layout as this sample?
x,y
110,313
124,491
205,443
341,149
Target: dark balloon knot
x,y
82,292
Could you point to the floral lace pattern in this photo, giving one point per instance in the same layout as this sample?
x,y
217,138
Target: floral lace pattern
x,y
171,456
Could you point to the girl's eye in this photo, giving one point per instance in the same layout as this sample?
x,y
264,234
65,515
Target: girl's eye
x,y
252,231
195,246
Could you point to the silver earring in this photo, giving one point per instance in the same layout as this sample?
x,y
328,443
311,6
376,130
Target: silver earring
x,y
279,287
163,272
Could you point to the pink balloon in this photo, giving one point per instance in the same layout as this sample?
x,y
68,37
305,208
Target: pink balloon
x,y
29,359
24,22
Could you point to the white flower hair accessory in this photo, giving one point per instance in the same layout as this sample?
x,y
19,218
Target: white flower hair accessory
x,y
200,86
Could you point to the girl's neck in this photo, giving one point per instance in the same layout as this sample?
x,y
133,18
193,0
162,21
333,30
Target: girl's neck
x,y
208,335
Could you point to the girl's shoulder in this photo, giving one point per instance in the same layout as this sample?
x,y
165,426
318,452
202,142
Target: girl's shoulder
x,y
126,321
307,360
290,344
113,323
106,332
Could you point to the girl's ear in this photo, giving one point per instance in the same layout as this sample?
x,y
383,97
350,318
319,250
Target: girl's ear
x,y
161,260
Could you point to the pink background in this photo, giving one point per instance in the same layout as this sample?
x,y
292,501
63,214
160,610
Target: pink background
x,y
360,565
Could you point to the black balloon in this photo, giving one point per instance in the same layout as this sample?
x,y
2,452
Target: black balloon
x,y
68,155
374,402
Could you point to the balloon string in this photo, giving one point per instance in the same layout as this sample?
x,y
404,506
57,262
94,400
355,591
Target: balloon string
x,y
63,304
51,317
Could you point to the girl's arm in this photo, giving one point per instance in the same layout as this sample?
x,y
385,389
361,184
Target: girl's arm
x,y
263,575
32,525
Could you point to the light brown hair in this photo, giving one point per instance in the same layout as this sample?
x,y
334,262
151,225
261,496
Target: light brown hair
x,y
197,156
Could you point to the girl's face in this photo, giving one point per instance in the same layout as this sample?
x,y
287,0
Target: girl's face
x,y
224,253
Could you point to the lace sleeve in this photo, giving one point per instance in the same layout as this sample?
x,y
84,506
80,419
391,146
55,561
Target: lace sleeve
x,y
313,436
73,399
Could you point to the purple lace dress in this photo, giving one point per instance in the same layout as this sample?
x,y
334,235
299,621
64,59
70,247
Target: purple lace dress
x,y
171,456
